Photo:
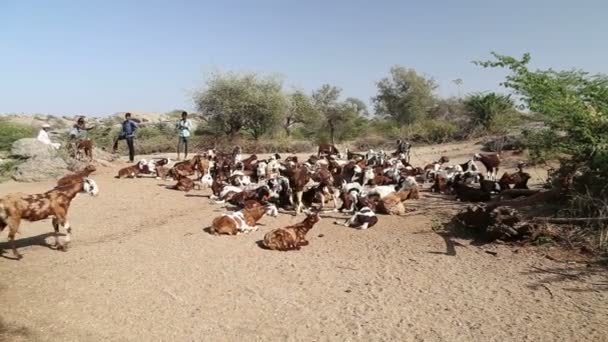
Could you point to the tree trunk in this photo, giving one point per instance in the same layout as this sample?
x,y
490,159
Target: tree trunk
x,y
518,192
288,127
331,134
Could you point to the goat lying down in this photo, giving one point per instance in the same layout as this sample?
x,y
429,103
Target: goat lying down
x,y
54,203
362,219
243,221
291,237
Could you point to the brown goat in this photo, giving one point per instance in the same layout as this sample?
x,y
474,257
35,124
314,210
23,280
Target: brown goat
x,y
241,221
183,184
409,194
55,203
391,204
327,149
84,147
132,171
186,167
291,237
76,177
440,184
491,162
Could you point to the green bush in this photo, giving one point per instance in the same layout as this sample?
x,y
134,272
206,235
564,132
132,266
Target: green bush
x,y
10,132
7,168
433,131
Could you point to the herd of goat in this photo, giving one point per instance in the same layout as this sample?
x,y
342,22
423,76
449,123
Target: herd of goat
x,y
361,184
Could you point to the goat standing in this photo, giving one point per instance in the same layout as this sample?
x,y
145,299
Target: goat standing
x,y
54,203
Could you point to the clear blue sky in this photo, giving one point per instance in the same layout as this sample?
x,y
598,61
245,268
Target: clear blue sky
x,y
101,57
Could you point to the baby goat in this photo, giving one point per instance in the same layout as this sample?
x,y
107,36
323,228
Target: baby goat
x,y
243,221
362,219
291,237
54,203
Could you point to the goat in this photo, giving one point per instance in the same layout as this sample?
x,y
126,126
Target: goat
x,y
84,147
291,237
76,177
362,219
54,203
226,194
469,166
281,187
261,194
298,178
440,184
354,156
405,195
132,171
183,184
327,149
466,193
186,167
317,194
491,162
243,221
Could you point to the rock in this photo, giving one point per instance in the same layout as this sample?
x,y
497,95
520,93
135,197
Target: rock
x,y
30,148
99,155
38,169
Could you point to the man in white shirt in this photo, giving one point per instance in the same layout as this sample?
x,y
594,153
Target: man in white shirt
x,y
43,137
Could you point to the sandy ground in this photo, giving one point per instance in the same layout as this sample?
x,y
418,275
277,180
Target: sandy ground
x,y
141,268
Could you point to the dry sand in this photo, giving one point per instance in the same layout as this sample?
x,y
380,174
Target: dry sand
x,y
141,268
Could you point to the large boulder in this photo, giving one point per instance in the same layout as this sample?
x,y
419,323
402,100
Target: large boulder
x,y
39,169
30,148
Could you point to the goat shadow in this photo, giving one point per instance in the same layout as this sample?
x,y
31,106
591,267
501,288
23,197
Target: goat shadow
x,y
260,244
38,240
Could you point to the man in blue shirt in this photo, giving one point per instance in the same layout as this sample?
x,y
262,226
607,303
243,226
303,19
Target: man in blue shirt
x,y
129,126
183,127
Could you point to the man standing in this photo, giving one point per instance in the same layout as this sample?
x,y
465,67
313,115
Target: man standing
x,y
183,131
129,127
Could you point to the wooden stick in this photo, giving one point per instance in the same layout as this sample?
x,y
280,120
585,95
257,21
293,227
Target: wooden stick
x,y
554,272
548,289
569,220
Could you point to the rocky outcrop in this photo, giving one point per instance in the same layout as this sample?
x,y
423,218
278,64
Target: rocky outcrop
x,y
30,148
38,169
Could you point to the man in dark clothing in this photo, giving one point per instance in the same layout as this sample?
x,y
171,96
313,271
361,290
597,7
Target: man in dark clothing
x,y
129,126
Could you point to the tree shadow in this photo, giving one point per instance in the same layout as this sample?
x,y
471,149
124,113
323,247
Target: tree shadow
x,y
38,240
450,244
10,332
563,274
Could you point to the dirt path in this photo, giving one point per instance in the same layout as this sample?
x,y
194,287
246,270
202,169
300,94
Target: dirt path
x,y
142,269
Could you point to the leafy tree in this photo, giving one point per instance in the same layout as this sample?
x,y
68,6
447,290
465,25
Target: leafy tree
x,y
404,95
494,112
234,102
300,110
574,106
358,106
336,115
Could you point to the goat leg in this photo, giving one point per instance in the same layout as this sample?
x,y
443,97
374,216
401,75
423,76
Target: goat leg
x,y
56,229
13,225
299,202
